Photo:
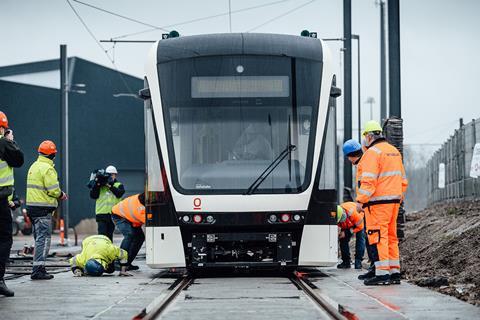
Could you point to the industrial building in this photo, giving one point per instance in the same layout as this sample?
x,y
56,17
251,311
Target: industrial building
x,y
105,123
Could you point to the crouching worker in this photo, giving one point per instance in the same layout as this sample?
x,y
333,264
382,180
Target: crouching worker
x,y
129,216
350,221
98,256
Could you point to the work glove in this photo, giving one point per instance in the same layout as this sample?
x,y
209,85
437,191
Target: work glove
x,y
63,196
9,135
78,273
359,207
124,274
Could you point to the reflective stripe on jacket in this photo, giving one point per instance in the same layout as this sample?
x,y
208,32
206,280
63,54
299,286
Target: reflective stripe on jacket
x,y
382,176
43,188
106,200
131,209
100,248
6,174
354,219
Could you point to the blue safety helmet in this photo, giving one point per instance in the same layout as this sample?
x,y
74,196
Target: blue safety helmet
x,y
94,268
351,146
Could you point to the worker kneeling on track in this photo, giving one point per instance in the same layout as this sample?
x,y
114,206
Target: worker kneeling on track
x,y
129,217
382,187
350,222
98,256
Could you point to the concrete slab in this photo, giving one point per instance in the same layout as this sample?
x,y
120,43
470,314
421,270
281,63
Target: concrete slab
x,y
243,298
405,301
68,297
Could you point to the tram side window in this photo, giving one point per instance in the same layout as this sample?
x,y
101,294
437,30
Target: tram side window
x,y
328,173
154,176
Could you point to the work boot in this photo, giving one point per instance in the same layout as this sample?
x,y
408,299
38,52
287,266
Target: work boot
x,y
4,290
395,278
369,274
358,264
378,280
132,267
41,276
344,265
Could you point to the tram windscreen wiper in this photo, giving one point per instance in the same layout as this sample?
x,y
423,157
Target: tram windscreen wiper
x,y
254,186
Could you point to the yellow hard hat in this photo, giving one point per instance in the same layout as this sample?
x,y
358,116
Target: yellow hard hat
x,y
340,216
371,126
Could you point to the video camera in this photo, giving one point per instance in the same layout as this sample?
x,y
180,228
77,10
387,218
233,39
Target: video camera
x,y
99,176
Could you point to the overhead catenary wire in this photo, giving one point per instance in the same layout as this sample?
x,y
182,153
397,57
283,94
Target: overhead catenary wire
x,y
203,18
121,16
281,16
100,45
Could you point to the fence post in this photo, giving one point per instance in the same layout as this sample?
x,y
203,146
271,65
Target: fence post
x,y
474,136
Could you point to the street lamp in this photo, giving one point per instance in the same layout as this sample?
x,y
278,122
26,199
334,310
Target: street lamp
x,y
371,101
354,37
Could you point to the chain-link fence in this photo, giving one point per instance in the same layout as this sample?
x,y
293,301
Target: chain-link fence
x,y
449,168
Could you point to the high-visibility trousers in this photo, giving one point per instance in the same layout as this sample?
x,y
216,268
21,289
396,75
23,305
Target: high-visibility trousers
x,y
381,221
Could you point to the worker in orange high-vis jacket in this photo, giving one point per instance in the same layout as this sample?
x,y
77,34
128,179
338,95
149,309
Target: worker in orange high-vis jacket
x,y
129,216
382,187
350,222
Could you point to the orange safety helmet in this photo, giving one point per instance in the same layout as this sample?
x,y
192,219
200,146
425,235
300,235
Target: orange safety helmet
x,y
47,147
3,120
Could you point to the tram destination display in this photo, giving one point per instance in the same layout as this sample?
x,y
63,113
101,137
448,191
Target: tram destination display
x,y
241,87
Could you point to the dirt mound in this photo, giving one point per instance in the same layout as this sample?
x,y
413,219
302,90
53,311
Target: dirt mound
x,y
441,249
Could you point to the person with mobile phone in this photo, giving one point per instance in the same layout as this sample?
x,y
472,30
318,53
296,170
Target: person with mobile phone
x,y
10,157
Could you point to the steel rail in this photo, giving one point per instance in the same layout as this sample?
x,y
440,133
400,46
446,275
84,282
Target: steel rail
x,y
326,306
175,290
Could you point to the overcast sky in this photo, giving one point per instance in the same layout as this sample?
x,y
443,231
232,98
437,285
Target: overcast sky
x,y
439,44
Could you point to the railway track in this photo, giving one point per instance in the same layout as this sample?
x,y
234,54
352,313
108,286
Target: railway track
x,y
327,308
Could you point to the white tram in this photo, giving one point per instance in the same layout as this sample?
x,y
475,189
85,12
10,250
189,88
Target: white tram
x,y
241,152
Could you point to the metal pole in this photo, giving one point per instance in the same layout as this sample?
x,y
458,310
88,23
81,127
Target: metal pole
x,y
383,64
394,57
357,37
347,84
64,112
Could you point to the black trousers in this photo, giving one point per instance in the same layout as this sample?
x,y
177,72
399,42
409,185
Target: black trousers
x,y
5,234
105,225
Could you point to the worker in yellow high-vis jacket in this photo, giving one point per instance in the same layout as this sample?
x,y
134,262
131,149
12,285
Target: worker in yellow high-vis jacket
x,y
98,256
106,193
43,193
10,157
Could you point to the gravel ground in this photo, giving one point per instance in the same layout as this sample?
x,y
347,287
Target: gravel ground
x,y
441,249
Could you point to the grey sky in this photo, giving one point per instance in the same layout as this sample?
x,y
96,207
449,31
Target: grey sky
x,y
439,43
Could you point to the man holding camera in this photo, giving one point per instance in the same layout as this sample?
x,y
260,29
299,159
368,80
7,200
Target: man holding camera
x,y
108,192
10,157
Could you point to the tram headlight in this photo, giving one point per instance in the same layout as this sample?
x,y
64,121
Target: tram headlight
x,y
296,217
285,217
209,219
272,218
186,218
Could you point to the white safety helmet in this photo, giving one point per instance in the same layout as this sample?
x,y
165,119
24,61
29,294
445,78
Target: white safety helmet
x,y
111,169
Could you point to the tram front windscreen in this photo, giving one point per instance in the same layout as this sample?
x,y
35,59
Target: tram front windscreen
x,y
228,117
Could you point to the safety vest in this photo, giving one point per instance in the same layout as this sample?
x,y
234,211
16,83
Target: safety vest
x,y
6,173
382,175
100,248
43,188
132,210
106,200
354,219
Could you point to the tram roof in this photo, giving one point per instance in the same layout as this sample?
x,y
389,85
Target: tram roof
x,y
238,44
